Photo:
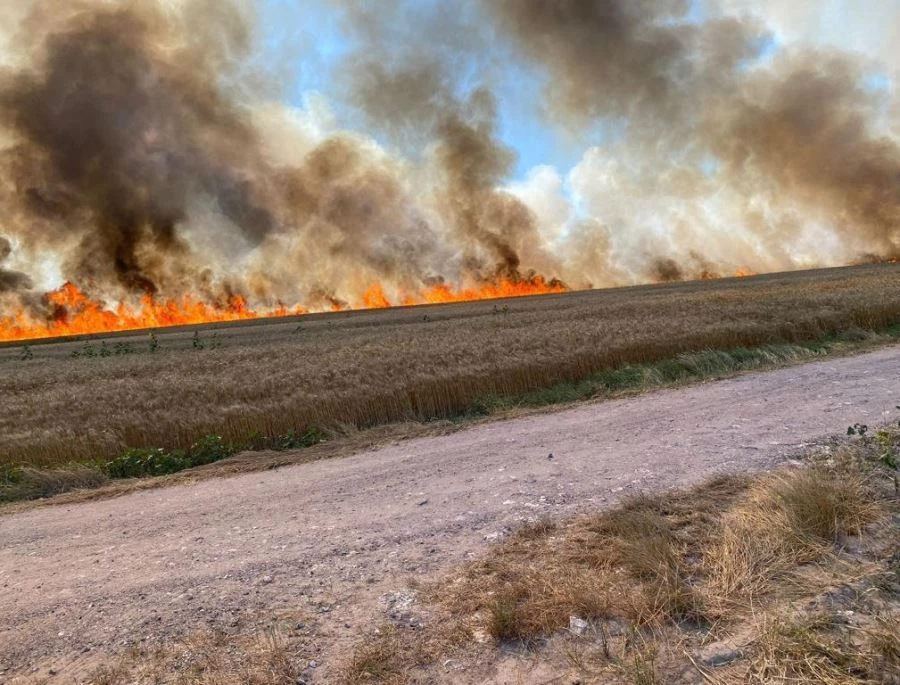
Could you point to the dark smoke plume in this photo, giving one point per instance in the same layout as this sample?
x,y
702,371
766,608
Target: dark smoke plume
x,y
807,128
624,58
415,101
118,127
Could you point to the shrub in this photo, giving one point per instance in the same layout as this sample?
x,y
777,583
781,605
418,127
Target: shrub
x,y
139,462
293,440
209,449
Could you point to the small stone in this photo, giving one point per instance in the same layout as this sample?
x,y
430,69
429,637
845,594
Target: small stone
x,y
451,664
423,502
314,664
578,626
52,671
266,580
718,654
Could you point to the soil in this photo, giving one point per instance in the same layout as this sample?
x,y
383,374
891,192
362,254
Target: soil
x,y
337,542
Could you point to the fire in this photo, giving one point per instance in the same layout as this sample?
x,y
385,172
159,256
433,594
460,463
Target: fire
x,y
375,297
714,275
74,313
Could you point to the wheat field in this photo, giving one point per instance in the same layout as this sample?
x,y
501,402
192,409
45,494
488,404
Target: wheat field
x,y
64,401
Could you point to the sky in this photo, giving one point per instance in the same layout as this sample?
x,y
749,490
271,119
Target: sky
x,y
309,42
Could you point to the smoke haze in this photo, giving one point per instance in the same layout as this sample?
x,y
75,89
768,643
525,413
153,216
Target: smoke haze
x,y
144,151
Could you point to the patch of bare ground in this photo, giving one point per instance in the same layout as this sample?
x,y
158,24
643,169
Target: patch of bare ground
x,y
792,576
784,577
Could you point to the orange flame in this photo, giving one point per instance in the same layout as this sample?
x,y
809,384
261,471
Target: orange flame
x,y
75,313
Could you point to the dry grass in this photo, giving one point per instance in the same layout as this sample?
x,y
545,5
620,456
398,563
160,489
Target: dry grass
x,y
31,483
396,653
799,570
207,658
788,520
826,648
369,368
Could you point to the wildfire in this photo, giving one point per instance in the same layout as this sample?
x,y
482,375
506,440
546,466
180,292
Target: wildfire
x,y
75,313
375,298
714,275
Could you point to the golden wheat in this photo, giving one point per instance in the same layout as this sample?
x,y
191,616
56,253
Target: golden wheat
x,y
369,368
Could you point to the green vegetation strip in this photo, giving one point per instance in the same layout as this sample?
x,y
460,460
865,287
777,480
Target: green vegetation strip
x,y
685,368
26,482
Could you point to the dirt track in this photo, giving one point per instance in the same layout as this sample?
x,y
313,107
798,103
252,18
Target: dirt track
x,y
328,539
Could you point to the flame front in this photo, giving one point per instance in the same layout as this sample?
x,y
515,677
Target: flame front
x,y
73,312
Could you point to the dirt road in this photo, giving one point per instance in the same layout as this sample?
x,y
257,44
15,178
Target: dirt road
x,y
329,539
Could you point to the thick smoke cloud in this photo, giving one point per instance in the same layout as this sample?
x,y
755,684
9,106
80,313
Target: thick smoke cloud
x,y
797,134
624,58
807,129
142,150
407,91
118,126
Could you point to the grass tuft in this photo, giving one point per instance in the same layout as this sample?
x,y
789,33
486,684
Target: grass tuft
x,y
824,648
26,483
826,505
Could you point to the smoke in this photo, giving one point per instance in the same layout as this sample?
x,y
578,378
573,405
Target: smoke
x,y
118,126
143,148
806,128
407,91
11,281
632,59
798,135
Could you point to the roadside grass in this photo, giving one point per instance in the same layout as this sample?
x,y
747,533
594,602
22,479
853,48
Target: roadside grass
x,y
826,647
27,483
208,657
24,482
687,367
792,576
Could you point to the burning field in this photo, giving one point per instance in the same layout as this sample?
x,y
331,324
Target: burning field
x,y
155,170
161,167
286,383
